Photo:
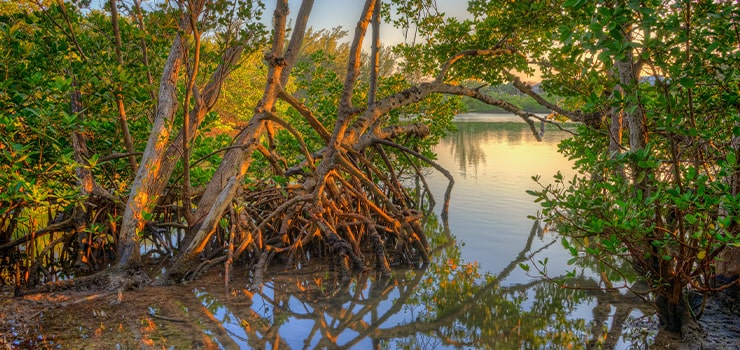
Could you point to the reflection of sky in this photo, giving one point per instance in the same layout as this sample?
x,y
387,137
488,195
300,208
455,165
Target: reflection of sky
x,y
493,164
298,331
488,215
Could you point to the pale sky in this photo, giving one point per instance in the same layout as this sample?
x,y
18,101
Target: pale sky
x,y
327,14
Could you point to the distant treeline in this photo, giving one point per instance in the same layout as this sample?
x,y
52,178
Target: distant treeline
x,y
508,93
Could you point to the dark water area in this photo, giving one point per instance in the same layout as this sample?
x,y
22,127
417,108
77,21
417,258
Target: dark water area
x,y
473,295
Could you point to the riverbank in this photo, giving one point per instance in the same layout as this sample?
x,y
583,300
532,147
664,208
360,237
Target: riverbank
x,y
186,316
718,327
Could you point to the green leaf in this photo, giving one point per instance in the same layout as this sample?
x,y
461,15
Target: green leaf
x,y
687,82
565,243
640,177
690,218
712,47
731,159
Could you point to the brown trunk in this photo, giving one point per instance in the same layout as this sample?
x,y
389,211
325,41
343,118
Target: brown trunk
x,y
83,174
374,56
143,191
236,161
190,92
160,157
186,262
211,92
674,312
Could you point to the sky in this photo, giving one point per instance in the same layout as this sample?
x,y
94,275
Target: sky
x,y
327,14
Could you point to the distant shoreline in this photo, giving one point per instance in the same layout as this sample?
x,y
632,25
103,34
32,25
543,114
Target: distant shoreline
x,y
490,117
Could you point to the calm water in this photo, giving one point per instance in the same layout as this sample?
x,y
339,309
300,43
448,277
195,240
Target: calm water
x,y
493,158
473,295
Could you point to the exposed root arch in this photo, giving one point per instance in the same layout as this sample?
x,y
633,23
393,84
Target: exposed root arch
x,y
355,215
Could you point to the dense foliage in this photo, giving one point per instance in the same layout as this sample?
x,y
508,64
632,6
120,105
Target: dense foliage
x,y
658,181
178,133
55,57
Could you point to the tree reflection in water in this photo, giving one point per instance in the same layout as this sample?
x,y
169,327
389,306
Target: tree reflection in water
x,y
448,304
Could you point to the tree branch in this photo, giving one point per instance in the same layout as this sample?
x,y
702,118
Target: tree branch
x,y
592,119
469,53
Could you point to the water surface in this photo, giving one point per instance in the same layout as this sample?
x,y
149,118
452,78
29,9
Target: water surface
x,y
474,293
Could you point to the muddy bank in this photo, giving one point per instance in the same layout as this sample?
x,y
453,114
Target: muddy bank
x,y
718,327
205,315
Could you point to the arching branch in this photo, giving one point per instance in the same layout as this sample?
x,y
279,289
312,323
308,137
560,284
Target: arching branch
x,y
592,119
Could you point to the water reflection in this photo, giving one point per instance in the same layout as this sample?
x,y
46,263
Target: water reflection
x,y
477,135
449,304
473,294
495,158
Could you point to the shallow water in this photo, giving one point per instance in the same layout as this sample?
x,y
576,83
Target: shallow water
x,y
473,295
493,158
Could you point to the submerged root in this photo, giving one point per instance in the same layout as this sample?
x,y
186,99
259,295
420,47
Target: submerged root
x,y
107,280
354,215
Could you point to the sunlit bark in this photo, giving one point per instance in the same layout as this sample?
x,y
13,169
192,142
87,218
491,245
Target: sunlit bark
x,y
143,191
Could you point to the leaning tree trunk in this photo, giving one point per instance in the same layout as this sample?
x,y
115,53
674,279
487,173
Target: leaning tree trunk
x,y
237,160
342,203
160,157
142,197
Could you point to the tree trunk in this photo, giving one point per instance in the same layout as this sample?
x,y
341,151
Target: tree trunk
x,y
674,313
616,119
236,161
144,190
83,174
374,56
160,156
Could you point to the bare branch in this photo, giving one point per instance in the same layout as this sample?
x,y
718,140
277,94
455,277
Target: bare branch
x,y
307,114
353,67
592,119
374,56
296,40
